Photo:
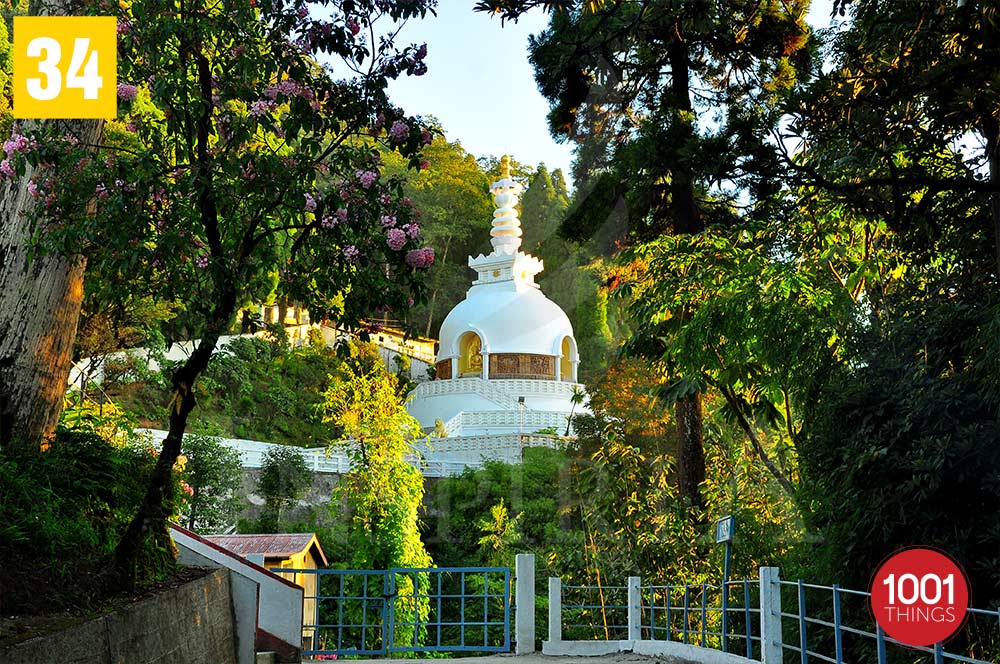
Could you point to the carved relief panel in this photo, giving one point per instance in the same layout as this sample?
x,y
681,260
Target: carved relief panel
x,y
522,365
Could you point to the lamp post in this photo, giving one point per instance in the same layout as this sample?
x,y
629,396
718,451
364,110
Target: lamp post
x,y
520,434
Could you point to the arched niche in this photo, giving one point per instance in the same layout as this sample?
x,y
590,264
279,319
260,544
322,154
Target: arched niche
x,y
470,356
567,360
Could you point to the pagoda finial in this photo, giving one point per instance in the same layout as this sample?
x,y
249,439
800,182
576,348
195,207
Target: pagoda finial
x,y
505,167
506,233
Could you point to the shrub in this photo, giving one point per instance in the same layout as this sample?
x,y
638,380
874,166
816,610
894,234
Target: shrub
x,y
214,474
284,478
61,514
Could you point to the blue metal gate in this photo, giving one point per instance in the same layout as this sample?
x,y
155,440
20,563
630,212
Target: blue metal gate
x,y
379,612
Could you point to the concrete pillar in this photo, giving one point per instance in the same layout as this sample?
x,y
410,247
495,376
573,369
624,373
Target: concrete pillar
x,y
555,609
634,608
486,366
770,616
524,618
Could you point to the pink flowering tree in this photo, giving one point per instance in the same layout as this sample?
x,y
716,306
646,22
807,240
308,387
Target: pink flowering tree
x,y
245,161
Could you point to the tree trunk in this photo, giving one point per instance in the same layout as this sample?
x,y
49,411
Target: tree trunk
x,y
40,298
686,219
157,505
691,451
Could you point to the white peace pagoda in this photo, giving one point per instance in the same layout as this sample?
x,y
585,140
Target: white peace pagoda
x,y
507,360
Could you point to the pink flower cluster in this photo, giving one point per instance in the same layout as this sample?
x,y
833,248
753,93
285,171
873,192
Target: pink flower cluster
x,y
388,221
353,25
412,230
261,107
201,262
288,88
367,178
420,258
399,131
17,144
310,205
351,253
127,92
395,238
418,67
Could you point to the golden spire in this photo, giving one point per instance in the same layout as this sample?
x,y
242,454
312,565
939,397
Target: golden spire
x,y
505,168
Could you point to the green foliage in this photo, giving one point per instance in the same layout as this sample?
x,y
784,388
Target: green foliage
x,y
284,478
456,506
543,206
315,338
214,474
499,536
251,389
383,491
455,213
61,514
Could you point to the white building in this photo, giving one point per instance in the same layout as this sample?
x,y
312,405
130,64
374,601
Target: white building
x,y
507,359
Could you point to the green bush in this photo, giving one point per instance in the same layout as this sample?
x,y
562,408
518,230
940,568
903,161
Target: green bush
x,y
214,474
284,478
61,514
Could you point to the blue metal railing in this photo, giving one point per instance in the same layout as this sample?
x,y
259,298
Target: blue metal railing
x,y
593,612
831,635
700,614
420,611
819,623
404,610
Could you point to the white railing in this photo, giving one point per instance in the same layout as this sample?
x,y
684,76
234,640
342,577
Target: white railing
x,y
478,386
484,419
454,425
473,450
532,419
321,461
533,387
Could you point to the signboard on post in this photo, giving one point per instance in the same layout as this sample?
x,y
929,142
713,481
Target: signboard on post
x,y
724,528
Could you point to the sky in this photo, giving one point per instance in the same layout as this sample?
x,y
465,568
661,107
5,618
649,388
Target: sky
x,y
481,87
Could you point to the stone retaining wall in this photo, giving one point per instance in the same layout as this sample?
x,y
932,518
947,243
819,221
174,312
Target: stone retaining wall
x,y
192,624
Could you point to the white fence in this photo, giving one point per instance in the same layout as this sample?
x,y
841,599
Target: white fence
x,y
434,457
320,461
512,422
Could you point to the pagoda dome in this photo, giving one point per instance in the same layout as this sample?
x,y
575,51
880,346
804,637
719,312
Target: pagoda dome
x,y
508,318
